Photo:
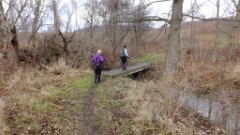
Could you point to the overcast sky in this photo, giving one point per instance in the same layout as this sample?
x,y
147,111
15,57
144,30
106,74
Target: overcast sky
x,y
203,9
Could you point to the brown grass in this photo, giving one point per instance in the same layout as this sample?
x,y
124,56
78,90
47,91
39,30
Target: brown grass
x,y
156,105
152,102
20,104
28,79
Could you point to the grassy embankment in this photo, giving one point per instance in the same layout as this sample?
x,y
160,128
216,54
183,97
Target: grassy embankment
x,y
116,103
44,102
120,106
151,58
54,110
53,105
124,106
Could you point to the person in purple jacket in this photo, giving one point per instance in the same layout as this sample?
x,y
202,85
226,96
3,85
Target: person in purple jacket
x,y
98,60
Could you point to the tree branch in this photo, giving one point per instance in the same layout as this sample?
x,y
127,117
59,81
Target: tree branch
x,y
145,19
208,19
149,4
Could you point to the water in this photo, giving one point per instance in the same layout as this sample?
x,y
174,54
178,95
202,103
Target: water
x,y
227,117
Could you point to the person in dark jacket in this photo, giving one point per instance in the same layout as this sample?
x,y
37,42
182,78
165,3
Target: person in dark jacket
x,y
124,57
98,60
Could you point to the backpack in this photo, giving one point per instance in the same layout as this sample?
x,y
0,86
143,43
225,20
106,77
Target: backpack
x,y
122,53
95,65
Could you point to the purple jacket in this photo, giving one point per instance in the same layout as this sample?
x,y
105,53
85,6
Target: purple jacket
x,y
98,58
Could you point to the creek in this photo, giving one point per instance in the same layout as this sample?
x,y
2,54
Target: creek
x,y
225,116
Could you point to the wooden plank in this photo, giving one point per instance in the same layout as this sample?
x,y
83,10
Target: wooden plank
x,y
130,70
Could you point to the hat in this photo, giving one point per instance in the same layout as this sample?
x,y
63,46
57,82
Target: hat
x,y
99,51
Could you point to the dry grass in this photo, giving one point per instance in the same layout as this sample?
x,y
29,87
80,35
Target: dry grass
x,y
207,77
155,100
58,68
35,99
28,79
2,124
153,103
156,106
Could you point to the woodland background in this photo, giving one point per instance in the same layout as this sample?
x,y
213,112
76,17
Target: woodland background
x,y
45,52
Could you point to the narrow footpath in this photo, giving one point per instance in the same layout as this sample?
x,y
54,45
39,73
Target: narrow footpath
x,y
90,126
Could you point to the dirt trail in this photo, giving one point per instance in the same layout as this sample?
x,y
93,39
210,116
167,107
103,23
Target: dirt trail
x,y
90,126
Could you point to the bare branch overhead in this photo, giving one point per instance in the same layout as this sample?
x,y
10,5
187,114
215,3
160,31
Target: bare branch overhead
x,y
145,19
156,2
208,19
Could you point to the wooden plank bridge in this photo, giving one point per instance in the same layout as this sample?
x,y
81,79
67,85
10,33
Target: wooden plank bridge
x,y
130,70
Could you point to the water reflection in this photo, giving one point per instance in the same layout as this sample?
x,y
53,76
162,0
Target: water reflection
x,y
224,116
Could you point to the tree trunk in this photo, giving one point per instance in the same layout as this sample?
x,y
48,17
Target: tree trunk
x,y
193,34
91,21
56,16
14,42
174,37
32,39
216,42
3,29
11,33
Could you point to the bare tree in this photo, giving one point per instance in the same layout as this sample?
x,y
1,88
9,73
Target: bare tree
x,y
57,26
111,12
56,15
140,25
69,19
35,24
217,31
194,9
91,7
174,36
14,42
11,31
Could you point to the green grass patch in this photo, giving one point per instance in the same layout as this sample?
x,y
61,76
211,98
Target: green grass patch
x,y
83,84
45,107
118,113
56,109
114,110
151,58
205,37
53,92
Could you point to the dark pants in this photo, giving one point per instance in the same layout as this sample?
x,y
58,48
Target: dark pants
x,y
97,72
124,62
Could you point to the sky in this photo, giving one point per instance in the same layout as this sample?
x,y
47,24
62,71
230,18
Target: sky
x,y
203,9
